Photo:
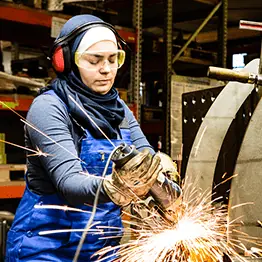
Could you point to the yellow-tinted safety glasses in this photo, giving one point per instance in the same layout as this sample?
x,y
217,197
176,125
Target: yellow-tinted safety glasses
x,y
95,60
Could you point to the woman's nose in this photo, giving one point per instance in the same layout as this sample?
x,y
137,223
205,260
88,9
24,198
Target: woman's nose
x,y
105,68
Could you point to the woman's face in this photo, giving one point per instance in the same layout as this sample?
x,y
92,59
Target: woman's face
x,y
98,70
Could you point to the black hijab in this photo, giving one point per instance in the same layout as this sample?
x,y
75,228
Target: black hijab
x,y
106,110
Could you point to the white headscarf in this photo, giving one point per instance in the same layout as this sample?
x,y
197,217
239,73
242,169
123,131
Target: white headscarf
x,y
94,35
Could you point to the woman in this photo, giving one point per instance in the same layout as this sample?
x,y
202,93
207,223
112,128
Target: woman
x,y
86,56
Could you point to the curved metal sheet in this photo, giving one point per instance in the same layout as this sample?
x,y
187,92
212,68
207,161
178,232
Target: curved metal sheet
x,y
246,187
207,144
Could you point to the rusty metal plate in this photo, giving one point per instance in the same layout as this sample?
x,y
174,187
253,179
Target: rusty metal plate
x,y
207,144
246,186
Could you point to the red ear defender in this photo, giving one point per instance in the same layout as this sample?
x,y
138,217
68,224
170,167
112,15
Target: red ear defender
x,y
61,57
58,60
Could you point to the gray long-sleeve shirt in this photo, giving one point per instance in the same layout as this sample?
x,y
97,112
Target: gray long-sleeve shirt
x,y
60,171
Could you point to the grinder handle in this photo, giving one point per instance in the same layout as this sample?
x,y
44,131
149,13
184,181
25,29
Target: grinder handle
x,y
123,155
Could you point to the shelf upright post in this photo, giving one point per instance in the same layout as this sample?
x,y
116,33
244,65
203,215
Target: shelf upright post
x,y
168,72
136,60
15,51
222,34
1,57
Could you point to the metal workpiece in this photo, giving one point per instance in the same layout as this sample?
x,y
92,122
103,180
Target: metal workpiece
x,y
245,189
231,75
209,139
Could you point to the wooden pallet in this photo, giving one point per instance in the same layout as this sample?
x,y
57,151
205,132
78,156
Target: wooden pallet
x,y
7,168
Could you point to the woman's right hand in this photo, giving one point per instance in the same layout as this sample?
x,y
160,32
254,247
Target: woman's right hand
x,y
133,181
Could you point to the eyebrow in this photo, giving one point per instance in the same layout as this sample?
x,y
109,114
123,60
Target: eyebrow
x,y
97,56
101,56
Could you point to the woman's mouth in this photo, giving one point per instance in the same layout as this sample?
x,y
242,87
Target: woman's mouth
x,y
103,82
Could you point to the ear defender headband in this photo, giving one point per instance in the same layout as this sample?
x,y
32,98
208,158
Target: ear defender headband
x,y
60,54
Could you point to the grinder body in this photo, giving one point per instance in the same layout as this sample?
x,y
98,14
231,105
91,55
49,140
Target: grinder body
x,y
165,193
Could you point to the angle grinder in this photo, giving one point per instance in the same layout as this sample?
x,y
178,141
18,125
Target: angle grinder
x,y
164,195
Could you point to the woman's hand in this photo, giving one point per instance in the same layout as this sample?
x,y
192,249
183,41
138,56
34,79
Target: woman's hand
x,y
133,181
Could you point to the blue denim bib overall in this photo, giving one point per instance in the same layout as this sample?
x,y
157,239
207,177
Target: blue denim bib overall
x,y
25,244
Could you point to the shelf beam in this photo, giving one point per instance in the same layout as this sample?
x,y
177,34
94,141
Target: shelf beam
x,y
16,102
14,189
27,15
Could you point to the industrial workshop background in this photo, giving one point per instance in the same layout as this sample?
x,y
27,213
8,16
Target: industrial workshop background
x,y
164,80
